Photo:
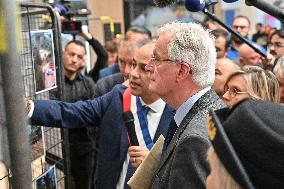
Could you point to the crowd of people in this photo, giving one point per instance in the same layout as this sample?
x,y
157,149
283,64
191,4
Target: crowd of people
x,y
216,101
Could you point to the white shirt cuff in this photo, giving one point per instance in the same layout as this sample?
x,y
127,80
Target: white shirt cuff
x,y
30,114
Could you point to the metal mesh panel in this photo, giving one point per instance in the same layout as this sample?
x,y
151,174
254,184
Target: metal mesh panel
x,y
47,143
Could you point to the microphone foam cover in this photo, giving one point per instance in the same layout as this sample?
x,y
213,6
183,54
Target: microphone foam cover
x,y
230,1
195,5
62,9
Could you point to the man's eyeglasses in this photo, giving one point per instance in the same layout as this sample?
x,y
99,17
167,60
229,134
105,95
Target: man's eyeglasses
x,y
241,27
233,92
158,62
277,45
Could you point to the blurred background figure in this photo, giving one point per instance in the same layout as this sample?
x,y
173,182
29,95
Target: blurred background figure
x,y
259,34
276,46
211,25
112,62
222,42
112,49
279,73
133,34
252,82
138,33
241,24
247,56
223,69
239,138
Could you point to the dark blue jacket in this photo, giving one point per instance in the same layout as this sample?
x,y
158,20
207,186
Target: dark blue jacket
x,y
106,112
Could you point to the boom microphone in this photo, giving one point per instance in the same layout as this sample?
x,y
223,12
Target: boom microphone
x,y
267,7
200,5
130,128
264,6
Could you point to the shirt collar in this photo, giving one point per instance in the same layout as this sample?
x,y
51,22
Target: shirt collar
x,y
157,106
79,76
187,105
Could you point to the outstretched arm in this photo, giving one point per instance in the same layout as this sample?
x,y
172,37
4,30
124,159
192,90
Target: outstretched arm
x,y
80,114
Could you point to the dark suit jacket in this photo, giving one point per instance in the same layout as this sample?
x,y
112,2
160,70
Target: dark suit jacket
x,y
106,84
184,163
113,69
106,112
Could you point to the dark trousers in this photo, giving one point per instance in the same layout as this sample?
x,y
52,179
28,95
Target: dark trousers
x,y
82,164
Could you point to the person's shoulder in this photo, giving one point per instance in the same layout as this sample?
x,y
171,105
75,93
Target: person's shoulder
x,y
88,79
211,99
88,82
119,87
118,77
105,72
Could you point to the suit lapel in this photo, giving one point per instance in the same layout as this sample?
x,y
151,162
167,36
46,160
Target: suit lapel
x,y
164,122
177,135
200,104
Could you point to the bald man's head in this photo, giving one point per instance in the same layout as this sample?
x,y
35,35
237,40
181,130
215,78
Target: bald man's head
x,y
248,56
223,69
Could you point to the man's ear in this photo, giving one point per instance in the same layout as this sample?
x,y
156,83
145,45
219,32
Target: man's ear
x,y
227,50
184,71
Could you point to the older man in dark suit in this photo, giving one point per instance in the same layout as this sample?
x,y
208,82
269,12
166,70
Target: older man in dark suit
x,y
181,73
114,163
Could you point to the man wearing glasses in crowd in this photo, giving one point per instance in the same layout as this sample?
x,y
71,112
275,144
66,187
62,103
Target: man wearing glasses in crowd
x,y
241,24
276,46
181,73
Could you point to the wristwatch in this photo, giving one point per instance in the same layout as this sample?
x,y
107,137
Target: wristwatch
x,y
28,105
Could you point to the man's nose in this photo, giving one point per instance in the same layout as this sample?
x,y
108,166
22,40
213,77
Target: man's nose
x,y
75,59
226,95
149,67
127,70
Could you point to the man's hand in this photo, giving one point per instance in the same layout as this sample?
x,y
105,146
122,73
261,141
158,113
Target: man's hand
x,y
85,33
137,155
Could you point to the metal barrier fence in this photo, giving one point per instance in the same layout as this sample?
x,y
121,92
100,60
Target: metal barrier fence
x,y
14,145
41,71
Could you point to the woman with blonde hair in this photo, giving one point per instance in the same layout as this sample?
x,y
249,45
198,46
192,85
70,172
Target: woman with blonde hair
x,y
251,82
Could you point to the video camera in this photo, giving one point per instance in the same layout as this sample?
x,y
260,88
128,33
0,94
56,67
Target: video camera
x,y
74,15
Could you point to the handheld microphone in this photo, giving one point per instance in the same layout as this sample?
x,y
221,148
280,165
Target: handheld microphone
x,y
130,128
195,5
267,7
230,1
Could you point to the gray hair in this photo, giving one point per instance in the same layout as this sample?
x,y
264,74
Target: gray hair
x,y
279,67
192,44
129,45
